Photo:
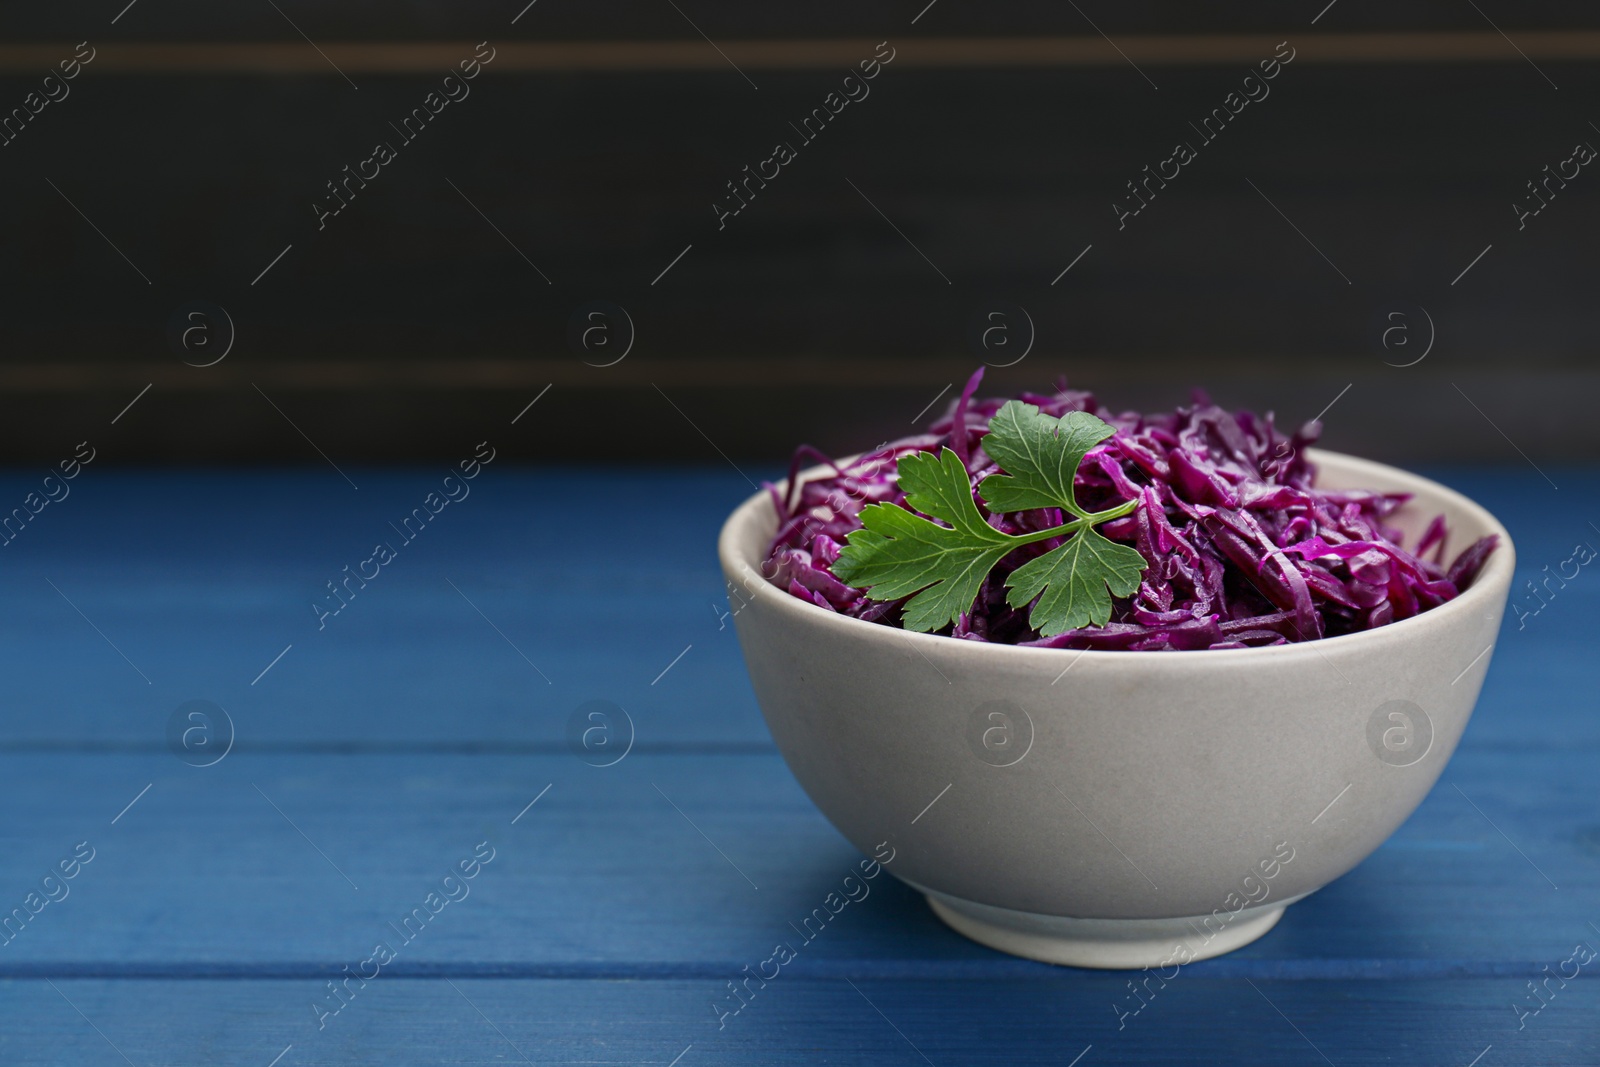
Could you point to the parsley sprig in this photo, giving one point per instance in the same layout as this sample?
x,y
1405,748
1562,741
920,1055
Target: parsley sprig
x,y
897,553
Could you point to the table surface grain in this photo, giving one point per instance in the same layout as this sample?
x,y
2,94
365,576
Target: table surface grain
x,y
429,718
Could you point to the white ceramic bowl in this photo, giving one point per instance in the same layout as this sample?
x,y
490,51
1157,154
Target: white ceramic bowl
x,y
1120,809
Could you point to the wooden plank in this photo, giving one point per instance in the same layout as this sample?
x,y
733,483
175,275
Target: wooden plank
x,y
558,575
1046,1020
202,580
671,865
436,19
1408,421
232,59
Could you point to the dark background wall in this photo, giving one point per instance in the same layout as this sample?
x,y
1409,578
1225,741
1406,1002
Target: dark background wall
x,y
1372,191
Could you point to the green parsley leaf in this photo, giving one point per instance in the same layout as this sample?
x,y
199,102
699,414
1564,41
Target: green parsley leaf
x,y
1041,454
897,553
1071,581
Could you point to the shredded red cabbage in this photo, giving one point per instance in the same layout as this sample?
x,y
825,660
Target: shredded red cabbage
x,y
1242,551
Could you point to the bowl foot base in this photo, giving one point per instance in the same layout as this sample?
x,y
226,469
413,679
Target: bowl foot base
x,y
1111,944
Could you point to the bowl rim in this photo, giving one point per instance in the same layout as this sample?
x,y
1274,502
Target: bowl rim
x,y
1481,594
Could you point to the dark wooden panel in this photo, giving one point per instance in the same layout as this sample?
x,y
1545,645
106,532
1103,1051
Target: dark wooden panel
x,y
1136,52
646,19
1265,271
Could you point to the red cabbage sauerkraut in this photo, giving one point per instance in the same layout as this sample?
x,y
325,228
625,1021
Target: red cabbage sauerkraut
x,y
1240,549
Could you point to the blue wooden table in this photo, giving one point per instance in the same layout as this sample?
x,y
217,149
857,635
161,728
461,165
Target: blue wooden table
x,y
402,777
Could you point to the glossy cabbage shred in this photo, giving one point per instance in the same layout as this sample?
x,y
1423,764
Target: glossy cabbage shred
x,y
1242,550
